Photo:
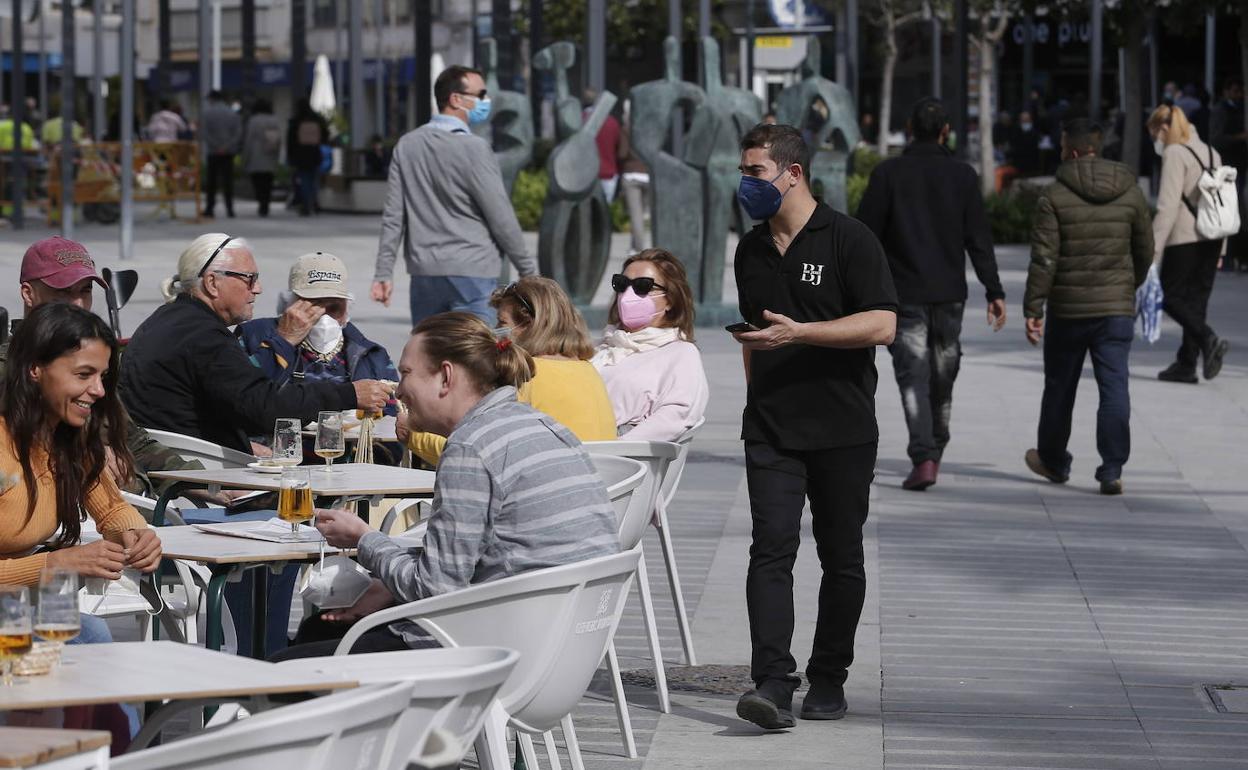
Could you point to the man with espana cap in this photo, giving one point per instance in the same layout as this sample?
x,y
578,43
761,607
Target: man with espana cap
x,y
313,339
60,270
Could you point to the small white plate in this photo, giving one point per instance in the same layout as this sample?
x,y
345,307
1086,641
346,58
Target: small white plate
x,y
265,467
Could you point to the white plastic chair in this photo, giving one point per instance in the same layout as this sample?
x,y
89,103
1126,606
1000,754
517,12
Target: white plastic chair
x,y
451,695
401,509
346,730
559,619
667,491
212,456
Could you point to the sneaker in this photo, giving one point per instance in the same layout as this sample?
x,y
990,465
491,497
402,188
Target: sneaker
x,y
1177,372
767,708
1037,466
1113,487
1213,358
824,702
921,477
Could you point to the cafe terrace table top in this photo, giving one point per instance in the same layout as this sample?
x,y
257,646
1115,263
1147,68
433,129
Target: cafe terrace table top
x,y
192,544
349,480
30,746
129,672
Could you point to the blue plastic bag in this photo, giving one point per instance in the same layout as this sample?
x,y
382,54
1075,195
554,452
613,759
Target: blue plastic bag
x,y
1148,299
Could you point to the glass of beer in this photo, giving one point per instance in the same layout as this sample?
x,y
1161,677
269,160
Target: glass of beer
x,y
294,500
56,612
15,638
287,441
329,438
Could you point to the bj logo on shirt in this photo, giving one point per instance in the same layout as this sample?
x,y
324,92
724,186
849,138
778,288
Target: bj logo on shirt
x,y
812,274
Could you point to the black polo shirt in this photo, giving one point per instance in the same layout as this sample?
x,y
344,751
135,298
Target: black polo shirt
x,y
804,397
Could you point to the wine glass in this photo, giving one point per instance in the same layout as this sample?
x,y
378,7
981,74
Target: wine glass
x,y
287,441
329,438
56,614
294,500
15,638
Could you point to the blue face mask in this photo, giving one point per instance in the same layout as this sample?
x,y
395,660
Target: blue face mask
x,y
479,113
759,197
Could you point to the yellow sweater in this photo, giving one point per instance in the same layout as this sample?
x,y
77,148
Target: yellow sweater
x,y
570,391
18,537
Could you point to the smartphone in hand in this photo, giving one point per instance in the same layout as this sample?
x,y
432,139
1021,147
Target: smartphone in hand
x,y
741,326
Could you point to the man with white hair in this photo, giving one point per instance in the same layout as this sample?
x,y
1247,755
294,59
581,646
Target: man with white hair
x,y
185,372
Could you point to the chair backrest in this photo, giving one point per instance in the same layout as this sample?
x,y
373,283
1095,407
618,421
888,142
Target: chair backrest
x,y
344,730
559,620
672,481
212,456
452,691
631,487
658,456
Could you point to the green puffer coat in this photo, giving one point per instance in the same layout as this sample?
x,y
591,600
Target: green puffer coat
x,y
1091,243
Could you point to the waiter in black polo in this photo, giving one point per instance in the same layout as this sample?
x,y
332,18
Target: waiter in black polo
x,y
816,284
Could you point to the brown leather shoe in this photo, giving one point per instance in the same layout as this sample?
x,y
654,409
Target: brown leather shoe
x,y
921,477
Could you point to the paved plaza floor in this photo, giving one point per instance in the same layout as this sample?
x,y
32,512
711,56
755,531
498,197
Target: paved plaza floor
x,y
1010,622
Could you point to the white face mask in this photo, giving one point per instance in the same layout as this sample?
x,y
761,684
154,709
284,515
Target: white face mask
x,y
325,335
1159,146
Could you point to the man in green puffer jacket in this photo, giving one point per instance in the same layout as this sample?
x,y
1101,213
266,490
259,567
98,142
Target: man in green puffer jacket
x,y
1091,247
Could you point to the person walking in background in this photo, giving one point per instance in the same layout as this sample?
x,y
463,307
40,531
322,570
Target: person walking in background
x,y
447,210
635,187
1189,264
221,131
305,134
608,141
927,211
1228,137
262,149
167,125
1091,247
817,284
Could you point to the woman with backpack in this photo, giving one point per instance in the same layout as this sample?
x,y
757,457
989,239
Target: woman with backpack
x,y
1189,262
262,150
307,132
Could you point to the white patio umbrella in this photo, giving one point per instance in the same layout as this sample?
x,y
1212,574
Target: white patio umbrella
x,y
323,87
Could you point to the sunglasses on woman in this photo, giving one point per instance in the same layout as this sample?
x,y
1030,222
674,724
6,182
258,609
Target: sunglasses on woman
x,y
642,284
513,291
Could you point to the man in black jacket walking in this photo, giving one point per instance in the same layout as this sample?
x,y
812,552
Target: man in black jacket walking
x,y
927,211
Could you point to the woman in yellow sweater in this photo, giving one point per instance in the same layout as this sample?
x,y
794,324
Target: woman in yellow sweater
x,y
540,318
59,415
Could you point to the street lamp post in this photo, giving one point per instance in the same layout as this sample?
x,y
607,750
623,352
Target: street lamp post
x,y
422,25
68,58
127,129
99,120
19,116
355,46
961,30
1097,56
595,46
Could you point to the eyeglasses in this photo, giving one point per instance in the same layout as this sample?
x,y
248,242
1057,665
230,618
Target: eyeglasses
x,y
215,252
251,278
513,291
479,94
642,284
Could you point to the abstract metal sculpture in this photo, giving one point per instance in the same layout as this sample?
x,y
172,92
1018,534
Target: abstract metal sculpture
x,y
511,120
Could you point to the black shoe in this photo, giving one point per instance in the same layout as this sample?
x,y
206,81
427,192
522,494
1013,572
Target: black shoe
x,y
824,702
1213,358
767,708
1111,487
1037,466
1177,372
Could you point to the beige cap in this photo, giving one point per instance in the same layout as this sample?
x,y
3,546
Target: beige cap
x,y
318,276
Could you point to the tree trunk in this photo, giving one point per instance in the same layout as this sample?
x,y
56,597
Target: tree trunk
x,y
987,64
886,88
1133,108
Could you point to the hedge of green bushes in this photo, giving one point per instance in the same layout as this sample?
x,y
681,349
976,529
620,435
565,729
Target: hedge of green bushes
x,y
529,194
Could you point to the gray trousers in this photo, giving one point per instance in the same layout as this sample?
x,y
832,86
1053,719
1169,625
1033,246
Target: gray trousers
x,y
926,356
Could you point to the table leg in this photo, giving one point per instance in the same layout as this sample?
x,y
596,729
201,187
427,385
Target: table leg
x,y
259,611
214,634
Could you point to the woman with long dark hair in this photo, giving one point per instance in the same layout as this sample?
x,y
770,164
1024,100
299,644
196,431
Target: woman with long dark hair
x,y
59,419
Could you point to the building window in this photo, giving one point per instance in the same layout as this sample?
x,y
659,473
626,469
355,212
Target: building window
x,y
324,14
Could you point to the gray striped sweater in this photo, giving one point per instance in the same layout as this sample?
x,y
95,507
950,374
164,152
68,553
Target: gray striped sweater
x,y
515,491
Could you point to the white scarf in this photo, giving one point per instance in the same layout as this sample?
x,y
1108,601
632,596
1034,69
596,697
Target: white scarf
x,y
618,344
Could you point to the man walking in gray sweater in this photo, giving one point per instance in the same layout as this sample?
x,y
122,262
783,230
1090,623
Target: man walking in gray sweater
x,y
447,209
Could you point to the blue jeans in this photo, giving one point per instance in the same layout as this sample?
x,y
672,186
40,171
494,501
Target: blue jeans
x,y
433,294
1066,343
308,179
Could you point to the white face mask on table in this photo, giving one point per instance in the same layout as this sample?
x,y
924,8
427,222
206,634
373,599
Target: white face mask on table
x,y
325,335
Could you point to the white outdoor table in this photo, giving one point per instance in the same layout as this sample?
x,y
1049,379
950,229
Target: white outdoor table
x,y
383,430
128,672
47,748
348,480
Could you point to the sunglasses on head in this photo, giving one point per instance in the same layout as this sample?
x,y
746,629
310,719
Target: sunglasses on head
x,y
642,284
512,291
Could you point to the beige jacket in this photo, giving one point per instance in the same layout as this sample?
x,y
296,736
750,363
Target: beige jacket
x,y
1174,224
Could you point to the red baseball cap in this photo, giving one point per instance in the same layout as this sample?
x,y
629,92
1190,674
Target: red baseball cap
x,y
58,262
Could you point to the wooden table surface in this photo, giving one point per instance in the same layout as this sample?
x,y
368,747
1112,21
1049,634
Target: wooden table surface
x,y
193,544
27,746
349,480
130,672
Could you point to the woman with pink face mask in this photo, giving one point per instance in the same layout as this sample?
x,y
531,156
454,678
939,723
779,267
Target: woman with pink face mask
x,y
652,369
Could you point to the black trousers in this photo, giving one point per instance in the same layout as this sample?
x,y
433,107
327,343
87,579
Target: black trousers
x,y
837,483
220,173
318,638
262,184
1187,274
926,357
